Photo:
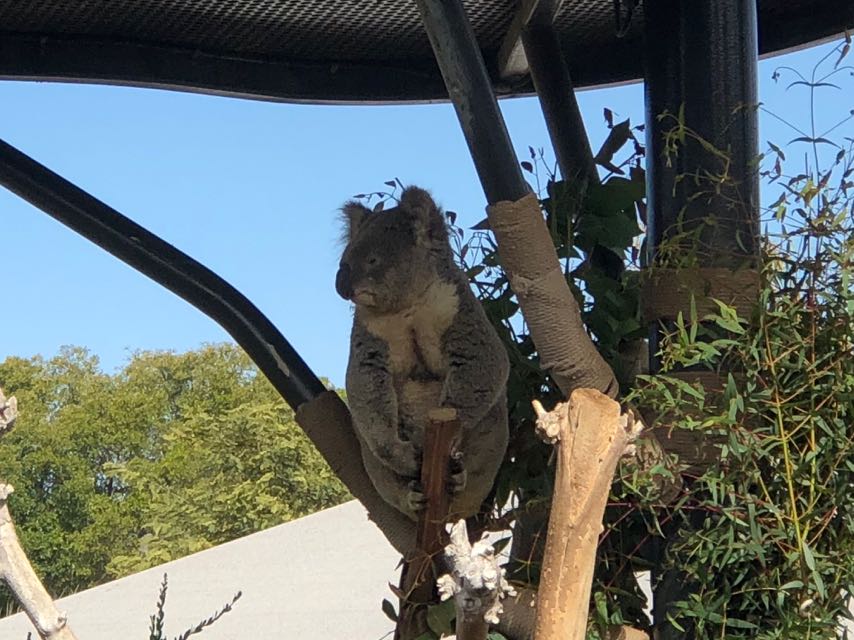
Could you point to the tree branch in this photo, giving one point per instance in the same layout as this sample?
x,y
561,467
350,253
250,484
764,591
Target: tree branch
x,y
15,569
591,436
327,422
418,578
476,583
8,413
529,258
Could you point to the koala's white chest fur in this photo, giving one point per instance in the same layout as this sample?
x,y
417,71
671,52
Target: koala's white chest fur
x,y
414,336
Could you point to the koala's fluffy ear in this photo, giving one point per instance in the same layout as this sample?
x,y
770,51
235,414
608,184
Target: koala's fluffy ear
x,y
425,212
354,214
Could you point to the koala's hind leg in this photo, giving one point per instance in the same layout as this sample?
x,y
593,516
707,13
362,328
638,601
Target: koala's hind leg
x,y
483,450
402,493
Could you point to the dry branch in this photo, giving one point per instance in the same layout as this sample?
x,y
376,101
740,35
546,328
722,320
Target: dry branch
x,y
476,583
418,578
15,569
591,436
527,253
8,412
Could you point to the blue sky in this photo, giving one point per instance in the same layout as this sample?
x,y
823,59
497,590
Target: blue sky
x,y
251,190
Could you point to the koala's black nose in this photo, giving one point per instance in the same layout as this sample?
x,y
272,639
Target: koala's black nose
x,y
343,283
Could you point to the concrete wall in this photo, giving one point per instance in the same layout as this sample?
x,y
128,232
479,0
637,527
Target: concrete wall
x,y
321,577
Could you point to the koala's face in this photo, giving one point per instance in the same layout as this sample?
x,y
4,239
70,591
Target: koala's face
x,y
386,264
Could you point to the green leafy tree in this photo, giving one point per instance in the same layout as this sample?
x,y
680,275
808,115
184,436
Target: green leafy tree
x,y
173,454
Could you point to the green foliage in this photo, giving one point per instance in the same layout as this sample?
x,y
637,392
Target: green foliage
x,y
441,618
173,454
766,534
775,518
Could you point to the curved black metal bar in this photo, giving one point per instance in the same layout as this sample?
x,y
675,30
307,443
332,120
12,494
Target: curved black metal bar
x,y
167,266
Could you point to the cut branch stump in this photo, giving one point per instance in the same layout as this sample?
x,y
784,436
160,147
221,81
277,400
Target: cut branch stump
x,y
476,582
591,435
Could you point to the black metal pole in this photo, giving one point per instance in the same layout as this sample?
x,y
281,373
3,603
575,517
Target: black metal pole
x,y
701,61
470,89
167,266
553,84
701,56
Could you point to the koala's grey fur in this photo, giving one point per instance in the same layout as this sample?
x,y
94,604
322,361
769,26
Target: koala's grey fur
x,y
420,340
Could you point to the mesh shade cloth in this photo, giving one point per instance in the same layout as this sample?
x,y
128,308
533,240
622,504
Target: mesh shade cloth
x,y
326,50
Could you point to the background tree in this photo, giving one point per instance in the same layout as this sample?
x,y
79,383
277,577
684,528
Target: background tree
x,y
173,454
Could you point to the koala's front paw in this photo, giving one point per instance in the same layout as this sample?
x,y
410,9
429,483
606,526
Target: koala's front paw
x,y
457,480
416,501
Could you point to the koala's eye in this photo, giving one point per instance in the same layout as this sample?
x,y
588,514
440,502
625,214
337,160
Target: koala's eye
x,y
373,261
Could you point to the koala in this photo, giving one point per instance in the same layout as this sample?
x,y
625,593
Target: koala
x,y
420,340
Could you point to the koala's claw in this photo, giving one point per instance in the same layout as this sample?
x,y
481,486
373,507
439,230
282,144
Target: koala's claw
x,y
415,499
457,480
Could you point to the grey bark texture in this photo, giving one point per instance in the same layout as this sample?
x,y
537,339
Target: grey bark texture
x,y
529,258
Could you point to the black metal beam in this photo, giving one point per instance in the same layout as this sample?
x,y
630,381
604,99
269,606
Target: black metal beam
x,y
67,59
167,266
511,60
553,84
532,45
701,61
701,58
470,89
98,58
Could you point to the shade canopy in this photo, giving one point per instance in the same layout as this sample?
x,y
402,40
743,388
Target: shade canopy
x,y
332,50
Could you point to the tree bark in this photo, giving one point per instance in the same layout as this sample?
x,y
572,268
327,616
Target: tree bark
x,y
591,436
476,583
418,577
327,422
